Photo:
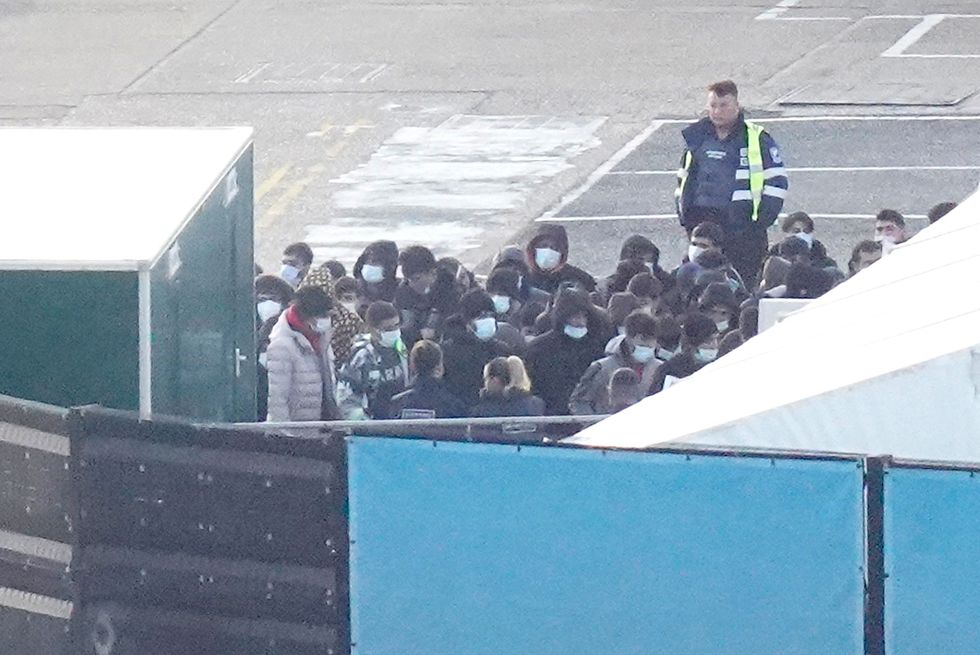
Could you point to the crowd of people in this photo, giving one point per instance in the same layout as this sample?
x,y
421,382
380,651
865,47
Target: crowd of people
x,y
407,335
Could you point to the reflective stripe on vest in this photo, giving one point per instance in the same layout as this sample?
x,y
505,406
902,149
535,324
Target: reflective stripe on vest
x,y
682,176
757,175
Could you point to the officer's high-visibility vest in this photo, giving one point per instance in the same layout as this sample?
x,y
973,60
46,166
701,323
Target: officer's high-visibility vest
x,y
757,175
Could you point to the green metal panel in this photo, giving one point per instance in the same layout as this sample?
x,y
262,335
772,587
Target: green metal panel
x,y
202,306
70,337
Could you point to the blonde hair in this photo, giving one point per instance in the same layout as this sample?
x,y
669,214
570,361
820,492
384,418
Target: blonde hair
x,y
511,370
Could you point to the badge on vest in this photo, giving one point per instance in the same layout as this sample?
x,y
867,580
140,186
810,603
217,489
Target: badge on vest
x,y
774,152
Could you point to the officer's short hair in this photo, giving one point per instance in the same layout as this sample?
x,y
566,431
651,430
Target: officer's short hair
x,y
723,88
890,216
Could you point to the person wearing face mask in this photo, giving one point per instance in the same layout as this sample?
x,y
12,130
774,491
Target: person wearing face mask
x,y
302,385
547,261
502,287
668,338
890,230
718,302
800,226
272,296
427,396
378,366
296,261
469,342
347,325
639,248
413,298
699,347
636,351
375,271
557,359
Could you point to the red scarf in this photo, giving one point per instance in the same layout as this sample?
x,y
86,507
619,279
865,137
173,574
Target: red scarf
x,y
298,324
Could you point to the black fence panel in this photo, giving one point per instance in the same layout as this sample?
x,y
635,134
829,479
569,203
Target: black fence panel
x,y
206,539
35,528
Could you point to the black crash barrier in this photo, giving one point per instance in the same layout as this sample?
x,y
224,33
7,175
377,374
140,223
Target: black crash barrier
x,y
206,540
35,528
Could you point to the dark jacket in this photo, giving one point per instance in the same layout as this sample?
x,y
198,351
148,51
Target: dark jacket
x,y
386,252
550,281
556,362
464,356
509,403
679,366
415,312
818,255
739,216
427,398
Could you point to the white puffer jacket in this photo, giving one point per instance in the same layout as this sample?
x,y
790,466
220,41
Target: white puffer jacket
x,y
296,376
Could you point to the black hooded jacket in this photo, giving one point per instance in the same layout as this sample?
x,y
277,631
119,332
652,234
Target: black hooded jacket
x,y
464,356
555,361
550,281
387,253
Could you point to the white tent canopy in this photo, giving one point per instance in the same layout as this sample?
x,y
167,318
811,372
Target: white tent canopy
x,y
887,363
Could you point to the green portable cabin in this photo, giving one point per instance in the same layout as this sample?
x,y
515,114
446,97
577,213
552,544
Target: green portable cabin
x,y
126,269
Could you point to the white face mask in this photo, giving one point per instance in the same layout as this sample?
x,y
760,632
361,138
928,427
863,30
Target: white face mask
x,y
350,306
663,354
576,332
721,325
390,338
485,328
649,266
372,274
642,354
706,354
546,258
805,238
290,274
621,330
501,304
323,325
693,252
267,309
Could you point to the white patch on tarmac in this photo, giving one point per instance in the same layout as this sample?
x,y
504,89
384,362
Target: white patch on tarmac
x,y
468,163
450,186
344,239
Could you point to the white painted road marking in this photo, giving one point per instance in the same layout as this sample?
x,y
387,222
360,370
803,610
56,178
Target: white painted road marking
x,y
911,37
829,169
605,168
638,217
777,13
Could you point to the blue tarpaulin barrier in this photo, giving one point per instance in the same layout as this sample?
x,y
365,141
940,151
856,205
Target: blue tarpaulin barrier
x,y
475,549
932,558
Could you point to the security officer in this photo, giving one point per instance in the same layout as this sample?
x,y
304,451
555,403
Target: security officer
x,y
731,174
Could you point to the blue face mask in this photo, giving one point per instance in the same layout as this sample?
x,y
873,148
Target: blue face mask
x,y
576,332
485,328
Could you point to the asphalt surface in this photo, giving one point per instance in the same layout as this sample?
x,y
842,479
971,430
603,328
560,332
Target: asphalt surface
x,y
460,123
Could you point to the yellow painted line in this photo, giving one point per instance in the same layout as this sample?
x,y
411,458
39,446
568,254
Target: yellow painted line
x,y
285,200
271,183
